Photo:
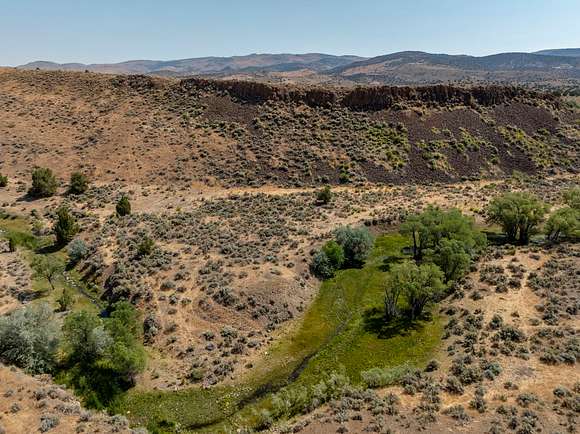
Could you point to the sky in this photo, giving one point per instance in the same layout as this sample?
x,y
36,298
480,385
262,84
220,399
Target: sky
x,y
105,31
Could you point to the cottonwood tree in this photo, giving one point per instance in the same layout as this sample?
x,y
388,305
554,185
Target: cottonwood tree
x,y
396,283
563,223
48,267
419,284
429,228
519,214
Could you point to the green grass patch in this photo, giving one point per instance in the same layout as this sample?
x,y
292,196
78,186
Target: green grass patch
x,y
342,331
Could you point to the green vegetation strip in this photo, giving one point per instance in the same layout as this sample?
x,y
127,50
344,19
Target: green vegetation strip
x,y
342,331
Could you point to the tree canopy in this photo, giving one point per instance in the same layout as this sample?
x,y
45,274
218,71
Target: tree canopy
x,y
519,214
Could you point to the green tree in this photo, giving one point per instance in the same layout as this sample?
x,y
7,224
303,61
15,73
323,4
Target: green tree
x,y
65,227
563,223
519,214
3,180
324,196
421,284
397,280
123,206
335,254
79,183
356,244
48,267
451,257
433,225
44,183
126,356
85,339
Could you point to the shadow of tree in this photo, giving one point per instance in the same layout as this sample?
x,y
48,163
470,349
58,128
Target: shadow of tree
x,y
374,322
390,260
51,248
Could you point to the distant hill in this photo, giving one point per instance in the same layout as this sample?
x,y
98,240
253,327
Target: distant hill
x,y
558,66
565,52
411,67
210,65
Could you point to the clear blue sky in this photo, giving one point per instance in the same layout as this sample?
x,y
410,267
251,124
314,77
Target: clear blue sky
x,y
98,31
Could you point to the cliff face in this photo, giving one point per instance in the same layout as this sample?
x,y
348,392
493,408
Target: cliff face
x,y
366,98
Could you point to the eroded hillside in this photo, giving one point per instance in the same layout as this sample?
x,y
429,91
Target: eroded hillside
x,y
153,130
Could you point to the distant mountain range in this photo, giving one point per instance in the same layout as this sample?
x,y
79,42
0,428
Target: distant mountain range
x,y
211,65
407,67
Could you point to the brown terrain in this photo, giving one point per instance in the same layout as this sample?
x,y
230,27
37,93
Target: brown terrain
x,y
223,174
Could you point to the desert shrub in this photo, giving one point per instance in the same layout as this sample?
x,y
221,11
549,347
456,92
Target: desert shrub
x,y
563,223
145,246
356,244
382,377
321,266
457,412
3,180
123,206
65,227
29,338
79,183
77,250
572,198
44,183
519,214
478,402
324,196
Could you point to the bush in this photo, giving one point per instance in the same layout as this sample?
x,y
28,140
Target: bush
x,y
66,227
572,198
123,206
324,196
356,244
44,183
79,183
519,214
77,251
382,377
335,254
321,266
29,338
3,180
145,247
